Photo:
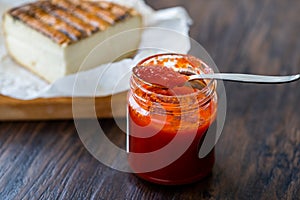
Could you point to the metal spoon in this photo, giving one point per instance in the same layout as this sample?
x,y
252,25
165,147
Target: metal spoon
x,y
250,78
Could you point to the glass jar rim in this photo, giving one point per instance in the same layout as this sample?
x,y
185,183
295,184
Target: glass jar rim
x,y
209,87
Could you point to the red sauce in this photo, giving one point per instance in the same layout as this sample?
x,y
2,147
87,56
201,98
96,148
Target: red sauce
x,y
168,81
160,75
145,119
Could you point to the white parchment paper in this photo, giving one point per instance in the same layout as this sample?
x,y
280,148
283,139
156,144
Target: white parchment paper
x,y
165,31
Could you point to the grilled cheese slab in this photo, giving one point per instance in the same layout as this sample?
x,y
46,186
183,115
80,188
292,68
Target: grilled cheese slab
x,y
53,37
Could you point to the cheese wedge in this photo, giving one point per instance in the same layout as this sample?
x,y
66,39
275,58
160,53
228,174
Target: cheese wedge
x,y
52,38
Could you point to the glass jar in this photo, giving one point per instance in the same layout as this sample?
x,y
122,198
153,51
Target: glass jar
x,y
166,127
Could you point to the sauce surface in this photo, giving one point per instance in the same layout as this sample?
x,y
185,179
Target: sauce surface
x,y
160,75
164,80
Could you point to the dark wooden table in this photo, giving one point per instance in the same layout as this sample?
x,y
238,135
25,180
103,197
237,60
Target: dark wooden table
x,y
257,156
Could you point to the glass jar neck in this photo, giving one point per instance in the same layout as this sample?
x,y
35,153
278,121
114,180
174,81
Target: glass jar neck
x,y
152,97
155,102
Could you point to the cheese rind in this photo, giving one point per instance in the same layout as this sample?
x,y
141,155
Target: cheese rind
x,y
50,58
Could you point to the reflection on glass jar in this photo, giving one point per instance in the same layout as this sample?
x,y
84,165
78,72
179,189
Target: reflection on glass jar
x,y
167,124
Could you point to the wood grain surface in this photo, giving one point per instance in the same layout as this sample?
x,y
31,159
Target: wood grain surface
x,y
257,156
61,108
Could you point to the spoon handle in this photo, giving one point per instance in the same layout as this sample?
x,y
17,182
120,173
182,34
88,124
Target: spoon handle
x,y
247,77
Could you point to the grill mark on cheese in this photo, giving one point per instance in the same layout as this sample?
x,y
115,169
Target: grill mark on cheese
x,y
67,21
100,12
45,29
120,11
53,21
104,4
85,28
75,21
81,13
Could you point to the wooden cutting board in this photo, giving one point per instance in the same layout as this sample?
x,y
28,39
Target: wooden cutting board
x,y
61,108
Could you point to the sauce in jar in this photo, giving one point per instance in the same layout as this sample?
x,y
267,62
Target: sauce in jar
x,y
159,75
168,119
